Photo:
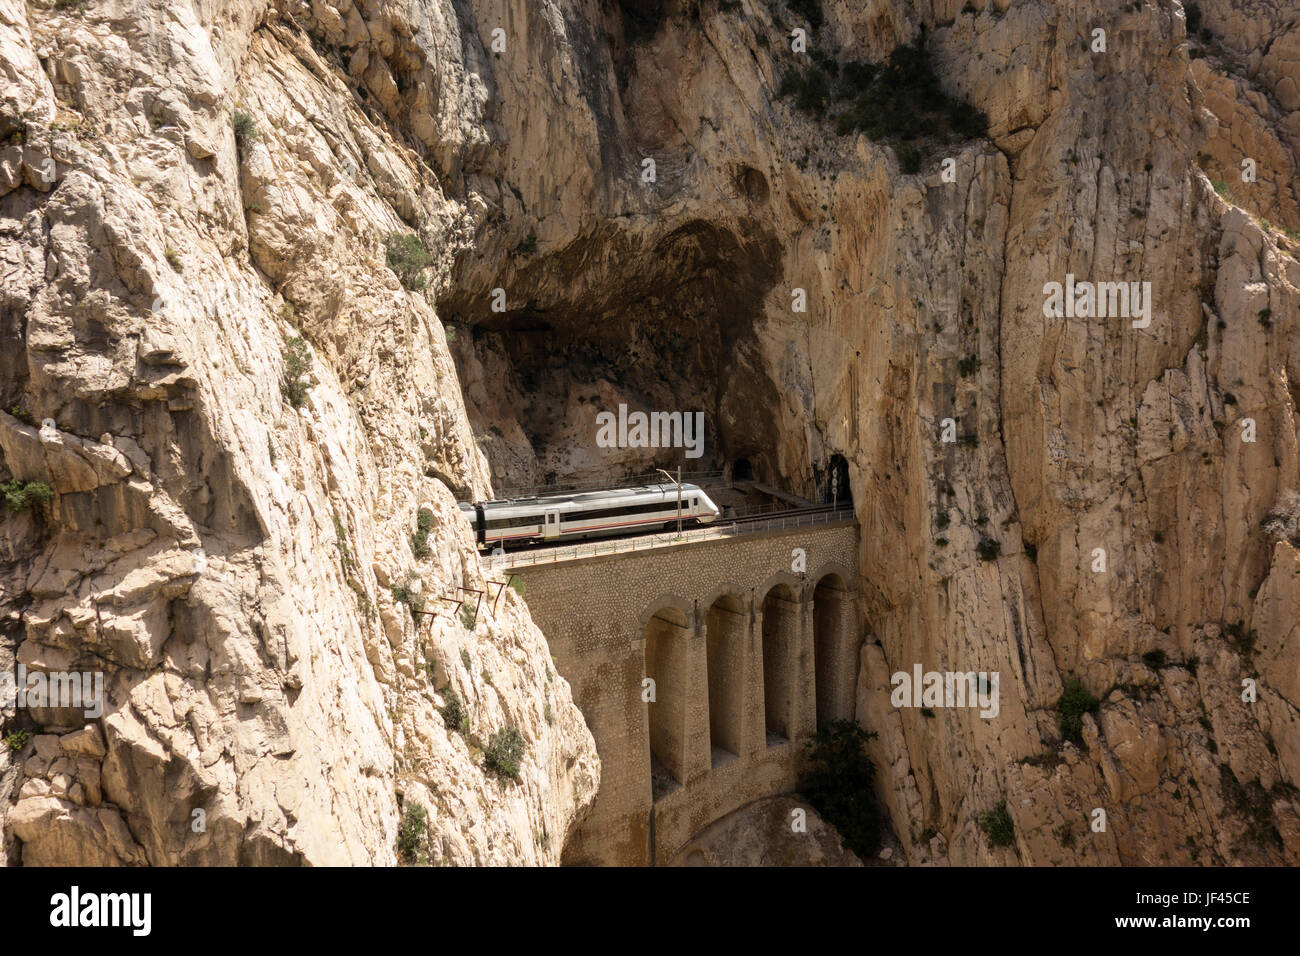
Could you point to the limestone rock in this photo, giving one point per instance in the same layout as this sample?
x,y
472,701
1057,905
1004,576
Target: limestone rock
x,y
249,405
220,556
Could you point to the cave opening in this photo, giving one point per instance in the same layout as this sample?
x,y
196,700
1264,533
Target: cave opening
x,y
660,324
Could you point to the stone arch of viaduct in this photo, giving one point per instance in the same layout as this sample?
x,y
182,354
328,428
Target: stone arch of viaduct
x,y
746,658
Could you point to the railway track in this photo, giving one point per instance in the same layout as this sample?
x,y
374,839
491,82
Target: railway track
x,y
722,528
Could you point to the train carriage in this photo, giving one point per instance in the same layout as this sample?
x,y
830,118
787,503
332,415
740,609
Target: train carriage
x,y
588,514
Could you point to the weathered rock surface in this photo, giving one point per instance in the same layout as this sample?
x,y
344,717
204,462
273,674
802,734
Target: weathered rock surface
x,y
764,834
925,303
226,557
229,557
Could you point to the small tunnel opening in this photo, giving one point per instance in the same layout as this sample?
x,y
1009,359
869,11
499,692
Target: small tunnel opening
x,y
836,489
742,470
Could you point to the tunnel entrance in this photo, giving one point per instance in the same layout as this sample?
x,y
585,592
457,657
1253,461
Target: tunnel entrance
x,y
837,490
742,470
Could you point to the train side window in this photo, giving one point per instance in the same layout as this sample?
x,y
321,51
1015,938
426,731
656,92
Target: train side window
x,y
617,512
498,523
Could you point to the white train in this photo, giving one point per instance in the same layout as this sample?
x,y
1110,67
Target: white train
x,y
587,514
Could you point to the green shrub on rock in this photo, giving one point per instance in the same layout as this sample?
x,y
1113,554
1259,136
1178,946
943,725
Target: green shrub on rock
x,y
839,785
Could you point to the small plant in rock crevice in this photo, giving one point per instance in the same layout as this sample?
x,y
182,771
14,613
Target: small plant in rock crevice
x,y
297,369
406,256
998,825
454,713
504,753
245,127
420,540
411,835
406,594
23,415
1155,659
21,496
1074,702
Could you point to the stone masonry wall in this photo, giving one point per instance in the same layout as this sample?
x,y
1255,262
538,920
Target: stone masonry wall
x,y
596,612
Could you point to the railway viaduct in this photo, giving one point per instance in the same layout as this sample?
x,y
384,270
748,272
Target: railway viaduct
x,y
748,647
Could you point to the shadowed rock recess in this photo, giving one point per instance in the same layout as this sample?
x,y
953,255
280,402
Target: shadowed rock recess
x,y
241,384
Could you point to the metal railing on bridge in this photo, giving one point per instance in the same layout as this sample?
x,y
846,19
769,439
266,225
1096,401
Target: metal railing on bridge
x,y
725,528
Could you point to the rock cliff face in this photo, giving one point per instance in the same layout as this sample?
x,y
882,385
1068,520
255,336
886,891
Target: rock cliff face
x,y
249,407
227,550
